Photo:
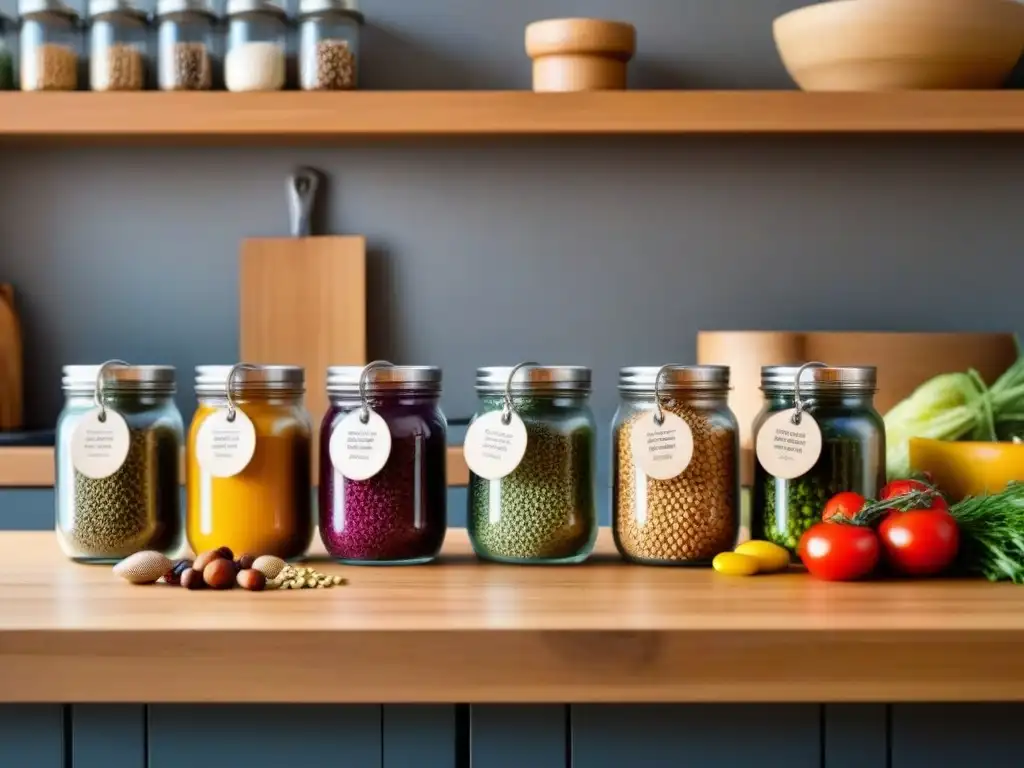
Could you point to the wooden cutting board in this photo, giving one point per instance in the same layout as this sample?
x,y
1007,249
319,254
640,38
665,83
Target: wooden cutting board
x,y
303,299
10,362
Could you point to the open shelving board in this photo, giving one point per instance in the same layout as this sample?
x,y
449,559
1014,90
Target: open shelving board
x,y
293,117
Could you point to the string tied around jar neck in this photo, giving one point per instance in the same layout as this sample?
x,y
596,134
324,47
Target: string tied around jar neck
x,y
232,405
507,407
98,395
659,414
364,411
798,402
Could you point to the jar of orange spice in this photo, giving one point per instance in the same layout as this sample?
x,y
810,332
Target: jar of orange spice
x,y
249,461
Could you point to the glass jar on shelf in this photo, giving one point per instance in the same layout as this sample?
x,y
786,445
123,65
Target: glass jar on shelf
x,y
540,507
50,45
393,512
8,37
249,455
329,45
187,45
802,462
257,46
675,468
118,42
118,447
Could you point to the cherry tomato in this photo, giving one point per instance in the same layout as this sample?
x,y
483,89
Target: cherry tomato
x,y
901,487
846,504
839,552
921,542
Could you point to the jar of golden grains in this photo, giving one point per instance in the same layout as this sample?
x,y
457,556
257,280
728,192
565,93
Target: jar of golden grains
x,y
675,470
249,461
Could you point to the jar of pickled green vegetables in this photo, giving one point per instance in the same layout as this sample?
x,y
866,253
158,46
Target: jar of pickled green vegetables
x,y
813,441
530,450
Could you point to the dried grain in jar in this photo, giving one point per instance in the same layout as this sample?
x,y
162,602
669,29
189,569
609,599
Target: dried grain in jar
x,y
329,44
118,39
50,42
675,487
187,45
7,38
257,41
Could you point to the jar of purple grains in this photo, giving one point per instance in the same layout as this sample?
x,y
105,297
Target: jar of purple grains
x,y
383,482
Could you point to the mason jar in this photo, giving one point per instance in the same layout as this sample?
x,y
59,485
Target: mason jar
x,y
8,37
187,45
111,503
50,43
118,41
257,46
398,515
329,45
851,458
544,510
248,487
675,484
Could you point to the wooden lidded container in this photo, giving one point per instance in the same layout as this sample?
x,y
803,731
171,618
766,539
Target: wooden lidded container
x,y
580,54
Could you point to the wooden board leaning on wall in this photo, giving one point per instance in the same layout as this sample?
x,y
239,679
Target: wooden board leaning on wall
x,y
33,467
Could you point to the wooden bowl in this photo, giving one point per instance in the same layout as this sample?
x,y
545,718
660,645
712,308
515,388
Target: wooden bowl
x,y
580,54
883,45
968,469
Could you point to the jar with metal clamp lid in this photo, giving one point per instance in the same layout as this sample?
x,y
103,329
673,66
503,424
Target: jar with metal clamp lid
x,y
329,44
119,440
8,38
249,455
257,46
383,504
817,435
675,469
118,40
530,450
187,45
50,45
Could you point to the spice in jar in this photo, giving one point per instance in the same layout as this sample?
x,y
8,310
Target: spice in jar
x,y
50,67
335,66
543,511
190,69
117,67
6,57
255,66
692,516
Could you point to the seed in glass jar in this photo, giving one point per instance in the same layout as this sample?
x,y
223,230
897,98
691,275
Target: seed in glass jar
x,y
117,67
335,66
49,67
143,567
190,68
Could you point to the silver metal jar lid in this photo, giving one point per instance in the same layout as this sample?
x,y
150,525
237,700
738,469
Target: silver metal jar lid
x,y
239,7
855,378
706,378
125,7
344,379
81,379
171,7
317,7
33,7
534,379
213,379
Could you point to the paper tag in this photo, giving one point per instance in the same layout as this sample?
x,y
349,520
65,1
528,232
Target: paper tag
x,y
99,448
359,451
224,448
787,450
492,448
661,451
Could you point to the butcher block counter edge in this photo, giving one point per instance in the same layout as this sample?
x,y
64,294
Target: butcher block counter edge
x,y
465,632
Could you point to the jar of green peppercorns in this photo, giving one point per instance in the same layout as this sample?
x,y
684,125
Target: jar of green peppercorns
x,y
538,505
118,449
813,441
8,35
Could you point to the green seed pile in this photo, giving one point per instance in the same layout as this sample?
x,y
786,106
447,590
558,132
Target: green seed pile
x,y
544,510
689,518
134,509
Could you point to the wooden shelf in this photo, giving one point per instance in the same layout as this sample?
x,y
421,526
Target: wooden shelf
x,y
464,631
294,117
33,467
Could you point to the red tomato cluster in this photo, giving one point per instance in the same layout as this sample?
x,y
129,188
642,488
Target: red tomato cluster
x,y
921,541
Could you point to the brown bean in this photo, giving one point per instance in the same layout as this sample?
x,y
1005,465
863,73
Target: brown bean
x,y
192,579
252,580
245,561
220,574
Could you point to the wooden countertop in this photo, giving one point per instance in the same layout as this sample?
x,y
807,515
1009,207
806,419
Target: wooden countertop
x,y
467,632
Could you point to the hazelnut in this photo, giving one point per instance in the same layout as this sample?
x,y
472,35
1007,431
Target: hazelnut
x,y
226,553
192,579
205,559
245,561
219,574
252,580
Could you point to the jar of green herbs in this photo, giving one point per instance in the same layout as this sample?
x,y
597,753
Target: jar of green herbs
x,y
119,441
839,402
543,510
8,36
